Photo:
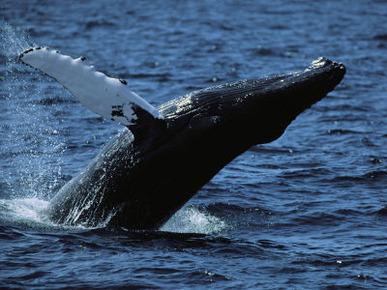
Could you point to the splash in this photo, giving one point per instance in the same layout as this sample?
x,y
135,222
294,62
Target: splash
x,y
192,220
23,211
32,213
14,39
31,145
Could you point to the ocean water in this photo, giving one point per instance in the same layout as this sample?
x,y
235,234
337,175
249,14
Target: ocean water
x,y
307,211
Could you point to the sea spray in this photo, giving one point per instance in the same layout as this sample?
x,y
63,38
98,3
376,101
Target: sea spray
x,y
31,144
13,40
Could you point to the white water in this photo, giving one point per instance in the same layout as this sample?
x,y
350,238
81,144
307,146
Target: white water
x,y
191,220
32,212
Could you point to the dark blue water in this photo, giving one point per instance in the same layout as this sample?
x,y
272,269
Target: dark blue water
x,y
306,211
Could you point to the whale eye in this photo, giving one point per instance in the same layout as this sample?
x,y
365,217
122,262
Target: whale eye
x,y
82,58
123,81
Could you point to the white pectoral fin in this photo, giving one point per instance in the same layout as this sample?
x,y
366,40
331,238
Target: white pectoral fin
x,y
106,96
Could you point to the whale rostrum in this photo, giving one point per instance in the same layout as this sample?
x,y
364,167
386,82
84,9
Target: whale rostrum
x,y
166,154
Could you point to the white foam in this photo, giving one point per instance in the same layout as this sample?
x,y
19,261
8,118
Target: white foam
x,y
24,210
192,220
32,212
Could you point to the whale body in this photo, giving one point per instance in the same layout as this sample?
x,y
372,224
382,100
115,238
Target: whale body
x,y
166,154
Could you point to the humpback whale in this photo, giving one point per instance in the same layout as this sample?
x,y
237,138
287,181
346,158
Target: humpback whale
x,y
164,155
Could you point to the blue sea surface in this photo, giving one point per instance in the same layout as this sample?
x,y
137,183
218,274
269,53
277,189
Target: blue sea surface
x,y
307,211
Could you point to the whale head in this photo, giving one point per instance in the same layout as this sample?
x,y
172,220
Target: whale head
x,y
253,112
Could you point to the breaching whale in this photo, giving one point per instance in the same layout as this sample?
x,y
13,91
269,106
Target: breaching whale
x,y
166,154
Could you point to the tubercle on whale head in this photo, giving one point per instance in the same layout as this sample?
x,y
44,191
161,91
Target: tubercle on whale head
x,y
257,111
